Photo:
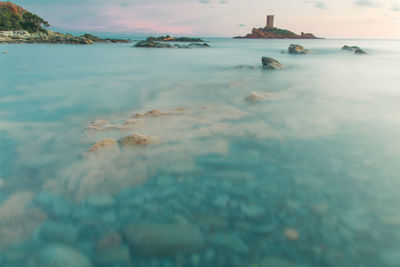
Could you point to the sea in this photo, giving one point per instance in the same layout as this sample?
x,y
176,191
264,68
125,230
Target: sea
x,y
112,155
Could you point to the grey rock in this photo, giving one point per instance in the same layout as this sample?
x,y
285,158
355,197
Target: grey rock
x,y
271,64
163,239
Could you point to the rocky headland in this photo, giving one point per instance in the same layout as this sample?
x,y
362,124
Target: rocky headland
x,y
18,25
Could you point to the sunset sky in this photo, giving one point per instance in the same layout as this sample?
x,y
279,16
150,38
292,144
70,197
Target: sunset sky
x,y
324,18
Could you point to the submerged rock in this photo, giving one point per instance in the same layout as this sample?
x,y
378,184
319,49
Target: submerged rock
x,y
134,140
357,50
257,97
291,234
231,241
271,64
296,49
18,219
115,255
58,232
103,146
58,255
360,52
163,239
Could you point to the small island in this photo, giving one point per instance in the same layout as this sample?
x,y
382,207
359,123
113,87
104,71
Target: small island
x,y
18,25
270,32
171,42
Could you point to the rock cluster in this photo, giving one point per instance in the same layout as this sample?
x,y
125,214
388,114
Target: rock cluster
x,y
155,44
357,50
173,39
50,37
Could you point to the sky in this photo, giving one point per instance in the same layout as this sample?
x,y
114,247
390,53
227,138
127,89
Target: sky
x,y
225,18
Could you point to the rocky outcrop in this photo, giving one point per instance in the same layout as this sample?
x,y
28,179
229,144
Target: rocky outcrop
x,y
134,140
173,39
50,37
357,50
163,239
155,44
275,33
296,49
271,64
104,146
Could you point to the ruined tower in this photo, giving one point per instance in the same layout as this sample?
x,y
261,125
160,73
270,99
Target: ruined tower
x,y
270,21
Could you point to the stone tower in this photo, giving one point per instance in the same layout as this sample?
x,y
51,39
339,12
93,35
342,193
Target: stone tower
x,y
270,21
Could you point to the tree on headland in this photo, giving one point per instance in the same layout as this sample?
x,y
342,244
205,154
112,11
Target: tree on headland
x,y
13,18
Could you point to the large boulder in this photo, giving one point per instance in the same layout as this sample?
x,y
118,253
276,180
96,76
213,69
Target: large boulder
x,y
154,240
271,64
296,49
58,255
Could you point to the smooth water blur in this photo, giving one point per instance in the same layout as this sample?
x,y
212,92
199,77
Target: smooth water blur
x,y
307,177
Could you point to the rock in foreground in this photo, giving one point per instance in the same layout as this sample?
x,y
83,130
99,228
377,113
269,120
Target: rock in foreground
x,y
271,64
296,49
163,239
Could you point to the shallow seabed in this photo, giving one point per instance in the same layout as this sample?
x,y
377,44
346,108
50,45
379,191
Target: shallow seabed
x,y
307,177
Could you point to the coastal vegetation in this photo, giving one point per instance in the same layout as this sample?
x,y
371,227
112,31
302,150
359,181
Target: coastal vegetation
x,y
15,18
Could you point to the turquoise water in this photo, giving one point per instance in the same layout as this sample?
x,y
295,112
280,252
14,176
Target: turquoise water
x,y
307,177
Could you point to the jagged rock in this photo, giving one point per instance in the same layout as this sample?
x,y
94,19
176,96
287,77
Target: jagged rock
x,y
163,239
360,52
134,140
271,64
296,49
58,255
357,50
348,48
103,146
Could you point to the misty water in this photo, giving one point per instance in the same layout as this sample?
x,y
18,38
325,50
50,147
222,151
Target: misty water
x,y
308,176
